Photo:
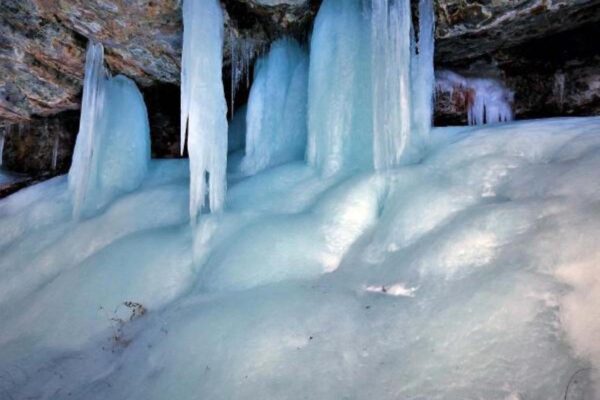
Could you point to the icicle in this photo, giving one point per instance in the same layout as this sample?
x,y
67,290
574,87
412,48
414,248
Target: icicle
x,y
234,66
1,147
391,60
370,93
423,78
243,51
339,87
91,109
276,116
55,152
113,144
488,100
559,89
203,106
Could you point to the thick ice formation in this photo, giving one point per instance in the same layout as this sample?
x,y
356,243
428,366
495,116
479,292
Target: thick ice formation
x,y
203,107
472,274
376,112
276,113
339,87
488,100
423,78
113,144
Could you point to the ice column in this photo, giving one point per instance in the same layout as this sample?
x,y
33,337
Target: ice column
x,y
339,88
203,106
1,146
92,103
276,115
370,85
55,151
423,78
391,27
113,144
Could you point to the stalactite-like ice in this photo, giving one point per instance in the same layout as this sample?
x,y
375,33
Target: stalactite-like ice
x,y
276,114
488,100
1,147
370,85
391,30
55,151
113,144
203,107
423,77
242,51
339,88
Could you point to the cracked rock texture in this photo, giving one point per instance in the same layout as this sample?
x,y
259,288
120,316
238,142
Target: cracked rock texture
x,y
43,46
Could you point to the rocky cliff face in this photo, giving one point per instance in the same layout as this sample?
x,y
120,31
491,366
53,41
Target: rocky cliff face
x,y
43,46
41,55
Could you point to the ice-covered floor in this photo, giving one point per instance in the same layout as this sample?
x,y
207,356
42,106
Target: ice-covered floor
x,y
473,275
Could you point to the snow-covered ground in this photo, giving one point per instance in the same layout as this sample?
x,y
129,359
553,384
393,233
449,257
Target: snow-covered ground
x,y
473,275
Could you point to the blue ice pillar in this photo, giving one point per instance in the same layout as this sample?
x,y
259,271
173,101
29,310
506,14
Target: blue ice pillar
x,y
423,75
339,91
276,114
203,106
113,144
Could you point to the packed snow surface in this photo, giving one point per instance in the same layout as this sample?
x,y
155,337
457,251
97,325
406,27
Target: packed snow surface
x,y
471,275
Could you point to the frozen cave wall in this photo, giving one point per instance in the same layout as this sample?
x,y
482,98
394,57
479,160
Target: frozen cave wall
x,y
538,48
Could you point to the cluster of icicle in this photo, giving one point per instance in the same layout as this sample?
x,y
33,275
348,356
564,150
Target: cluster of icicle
x,y
363,101
203,106
488,100
243,51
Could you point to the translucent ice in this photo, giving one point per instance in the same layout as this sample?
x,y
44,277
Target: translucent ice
x,y
276,113
370,85
339,102
203,107
488,100
113,143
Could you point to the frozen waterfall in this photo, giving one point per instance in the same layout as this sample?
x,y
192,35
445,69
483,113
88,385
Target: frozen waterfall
x,y
276,113
375,111
397,261
203,106
113,147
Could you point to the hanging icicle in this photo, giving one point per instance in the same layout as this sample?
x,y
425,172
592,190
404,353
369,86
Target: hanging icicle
x,y
203,106
113,144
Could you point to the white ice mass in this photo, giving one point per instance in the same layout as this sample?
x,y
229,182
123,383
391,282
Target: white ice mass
x,y
276,113
113,143
471,273
203,107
